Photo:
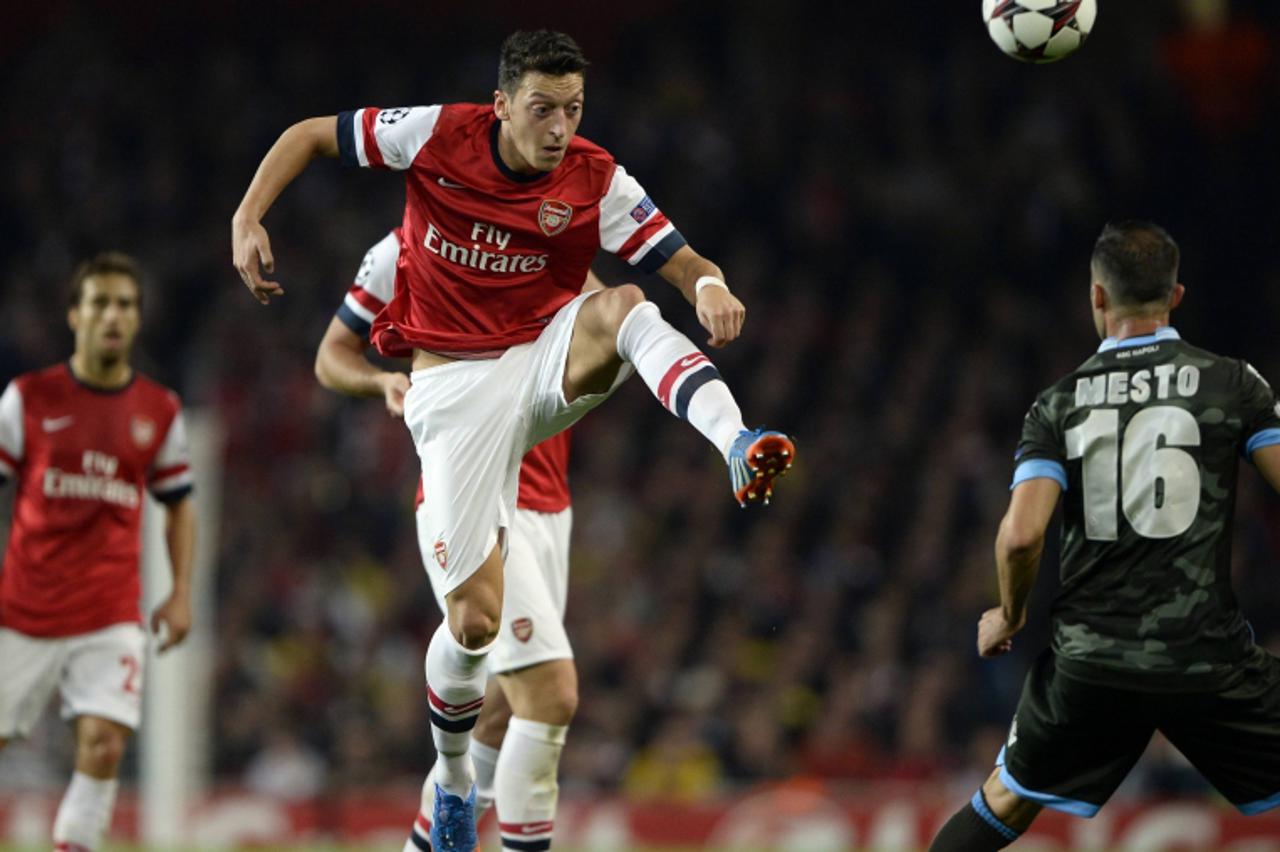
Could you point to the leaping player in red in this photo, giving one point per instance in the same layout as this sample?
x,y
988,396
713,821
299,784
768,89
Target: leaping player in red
x,y
83,439
505,210
520,731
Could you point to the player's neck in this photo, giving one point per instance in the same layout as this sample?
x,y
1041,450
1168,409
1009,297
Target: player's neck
x,y
95,373
510,156
1124,327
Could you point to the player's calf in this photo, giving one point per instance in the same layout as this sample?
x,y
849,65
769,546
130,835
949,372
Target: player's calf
x,y
994,818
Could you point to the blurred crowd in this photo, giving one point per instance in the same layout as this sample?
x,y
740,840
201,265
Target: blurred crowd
x,y
907,215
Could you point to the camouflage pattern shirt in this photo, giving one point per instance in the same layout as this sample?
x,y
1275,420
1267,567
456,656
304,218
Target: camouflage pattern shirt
x,y
1144,438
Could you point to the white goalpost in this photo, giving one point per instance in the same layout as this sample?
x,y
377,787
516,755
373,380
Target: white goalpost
x,y
174,740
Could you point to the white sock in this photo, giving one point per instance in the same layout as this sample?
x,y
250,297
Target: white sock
x,y
456,680
526,785
420,835
485,759
682,378
85,814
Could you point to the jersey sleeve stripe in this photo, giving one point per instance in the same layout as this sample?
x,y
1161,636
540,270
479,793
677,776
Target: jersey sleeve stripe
x,y
659,225
171,470
372,154
165,485
348,317
347,141
1039,469
1262,438
365,300
174,495
663,249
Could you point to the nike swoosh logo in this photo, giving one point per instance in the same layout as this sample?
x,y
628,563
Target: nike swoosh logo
x,y
448,184
54,424
691,360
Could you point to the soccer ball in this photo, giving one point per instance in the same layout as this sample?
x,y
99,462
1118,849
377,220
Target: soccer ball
x,y
1039,30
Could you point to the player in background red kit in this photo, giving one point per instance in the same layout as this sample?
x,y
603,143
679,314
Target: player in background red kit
x,y
83,439
505,210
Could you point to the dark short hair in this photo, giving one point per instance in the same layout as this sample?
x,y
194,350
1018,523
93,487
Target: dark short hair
x,y
544,51
1137,262
104,263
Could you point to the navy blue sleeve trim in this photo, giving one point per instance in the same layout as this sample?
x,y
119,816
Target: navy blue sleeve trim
x,y
662,252
347,138
353,322
170,497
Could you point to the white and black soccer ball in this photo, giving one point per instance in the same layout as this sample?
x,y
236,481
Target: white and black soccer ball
x,y
1039,30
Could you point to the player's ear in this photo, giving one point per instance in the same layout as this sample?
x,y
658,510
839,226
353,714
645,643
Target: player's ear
x,y
1098,296
72,319
1175,298
501,106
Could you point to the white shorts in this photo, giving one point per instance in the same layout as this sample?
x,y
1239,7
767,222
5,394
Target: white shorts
x,y
472,422
97,674
535,587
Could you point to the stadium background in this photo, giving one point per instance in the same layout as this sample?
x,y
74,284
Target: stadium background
x,y
907,215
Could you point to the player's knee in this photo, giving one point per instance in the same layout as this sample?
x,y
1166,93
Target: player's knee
x,y
475,627
101,750
561,703
617,302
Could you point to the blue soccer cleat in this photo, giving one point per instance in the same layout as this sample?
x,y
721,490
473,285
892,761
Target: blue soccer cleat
x,y
756,459
453,823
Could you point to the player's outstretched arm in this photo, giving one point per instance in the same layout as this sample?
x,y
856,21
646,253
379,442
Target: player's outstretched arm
x,y
342,366
702,284
1267,461
250,245
180,536
1018,546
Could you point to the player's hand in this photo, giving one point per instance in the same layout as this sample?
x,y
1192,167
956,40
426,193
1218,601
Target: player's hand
x,y
251,254
720,313
175,615
995,633
394,387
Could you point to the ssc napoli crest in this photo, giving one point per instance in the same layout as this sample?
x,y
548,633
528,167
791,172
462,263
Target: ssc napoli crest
x,y
554,216
142,430
522,629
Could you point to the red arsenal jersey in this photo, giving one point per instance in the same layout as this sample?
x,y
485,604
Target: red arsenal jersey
x,y
544,476
81,457
490,255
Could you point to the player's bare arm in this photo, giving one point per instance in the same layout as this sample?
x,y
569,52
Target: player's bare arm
x,y
1019,544
1267,461
250,245
341,366
180,537
719,311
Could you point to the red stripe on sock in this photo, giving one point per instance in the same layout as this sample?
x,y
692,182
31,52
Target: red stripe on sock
x,y
674,372
521,829
423,823
453,709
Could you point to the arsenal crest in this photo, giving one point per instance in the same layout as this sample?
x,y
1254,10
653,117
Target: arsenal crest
x,y
554,216
142,430
442,554
522,628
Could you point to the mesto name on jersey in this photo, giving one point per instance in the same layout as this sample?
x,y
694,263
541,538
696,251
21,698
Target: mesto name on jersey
x,y
1120,387
483,236
98,482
